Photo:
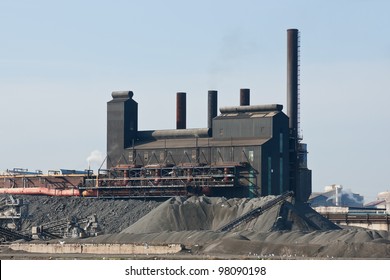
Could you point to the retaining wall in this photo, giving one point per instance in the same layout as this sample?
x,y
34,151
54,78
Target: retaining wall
x,y
49,248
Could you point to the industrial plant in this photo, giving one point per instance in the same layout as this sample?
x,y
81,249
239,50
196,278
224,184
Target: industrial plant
x,y
238,187
245,151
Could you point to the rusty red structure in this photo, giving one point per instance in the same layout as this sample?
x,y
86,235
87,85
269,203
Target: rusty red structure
x,y
128,181
39,184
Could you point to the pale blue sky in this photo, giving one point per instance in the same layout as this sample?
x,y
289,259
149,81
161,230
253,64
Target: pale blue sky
x,y
60,61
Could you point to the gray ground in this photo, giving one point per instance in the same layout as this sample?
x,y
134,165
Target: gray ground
x,y
284,231
113,215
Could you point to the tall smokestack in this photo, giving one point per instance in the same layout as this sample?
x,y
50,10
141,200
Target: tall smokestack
x,y
181,111
292,80
292,108
244,97
212,107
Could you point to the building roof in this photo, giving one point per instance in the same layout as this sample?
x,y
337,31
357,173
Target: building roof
x,y
246,115
324,194
375,203
197,142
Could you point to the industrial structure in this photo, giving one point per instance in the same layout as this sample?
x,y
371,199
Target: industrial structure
x,y
12,211
346,208
336,195
245,151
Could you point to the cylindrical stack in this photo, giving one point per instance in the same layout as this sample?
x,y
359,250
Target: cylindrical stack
x,y
181,114
292,81
212,107
292,108
244,97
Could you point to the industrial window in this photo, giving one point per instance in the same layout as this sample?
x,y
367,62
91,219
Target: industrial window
x,y
251,185
281,175
281,142
257,115
269,175
251,156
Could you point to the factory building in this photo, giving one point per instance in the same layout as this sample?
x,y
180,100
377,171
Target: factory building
x,y
336,195
245,150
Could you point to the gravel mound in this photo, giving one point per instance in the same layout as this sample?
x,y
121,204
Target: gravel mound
x,y
113,215
285,231
211,213
200,213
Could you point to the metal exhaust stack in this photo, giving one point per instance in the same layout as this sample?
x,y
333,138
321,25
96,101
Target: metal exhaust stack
x,y
292,106
181,111
244,97
292,80
212,107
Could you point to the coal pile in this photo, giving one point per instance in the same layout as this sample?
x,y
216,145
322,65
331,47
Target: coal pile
x,y
286,231
113,215
210,213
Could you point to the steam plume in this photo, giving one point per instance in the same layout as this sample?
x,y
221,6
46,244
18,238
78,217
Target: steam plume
x,y
95,158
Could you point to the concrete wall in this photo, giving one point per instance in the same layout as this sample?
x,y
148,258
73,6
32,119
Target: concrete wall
x,y
374,226
49,248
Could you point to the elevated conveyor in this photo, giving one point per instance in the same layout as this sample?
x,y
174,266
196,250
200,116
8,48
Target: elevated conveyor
x,y
247,217
12,235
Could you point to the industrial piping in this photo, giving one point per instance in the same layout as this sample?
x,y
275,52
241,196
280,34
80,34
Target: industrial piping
x,y
252,109
40,191
173,133
122,94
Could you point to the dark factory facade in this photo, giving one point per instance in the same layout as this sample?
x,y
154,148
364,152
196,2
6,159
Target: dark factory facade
x,y
246,150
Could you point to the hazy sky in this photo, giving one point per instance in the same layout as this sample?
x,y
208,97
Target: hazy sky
x,y
60,61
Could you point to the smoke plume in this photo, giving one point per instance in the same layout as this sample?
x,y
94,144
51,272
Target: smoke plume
x,y
96,158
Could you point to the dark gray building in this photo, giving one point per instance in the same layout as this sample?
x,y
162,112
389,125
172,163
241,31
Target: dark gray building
x,y
245,151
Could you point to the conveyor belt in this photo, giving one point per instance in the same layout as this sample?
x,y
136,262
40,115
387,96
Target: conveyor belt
x,y
55,229
10,234
254,213
50,235
55,225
